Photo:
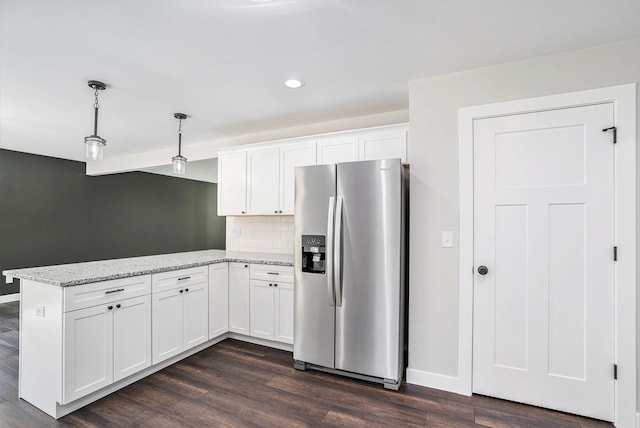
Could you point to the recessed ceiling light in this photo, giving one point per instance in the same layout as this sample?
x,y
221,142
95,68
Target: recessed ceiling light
x,y
294,83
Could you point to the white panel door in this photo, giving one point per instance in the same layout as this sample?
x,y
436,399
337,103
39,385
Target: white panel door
x,y
263,175
291,156
131,336
232,183
218,299
543,326
88,351
284,312
343,148
195,314
166,325
262,309
239,316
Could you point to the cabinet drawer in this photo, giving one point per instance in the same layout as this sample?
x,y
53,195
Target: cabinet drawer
x,y
97,293
179,278
272,273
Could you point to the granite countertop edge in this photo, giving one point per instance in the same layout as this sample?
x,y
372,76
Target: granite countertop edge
x,y
81,273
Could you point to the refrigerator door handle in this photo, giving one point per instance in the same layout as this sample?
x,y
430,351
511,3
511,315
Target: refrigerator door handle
x,y
329,249
337,253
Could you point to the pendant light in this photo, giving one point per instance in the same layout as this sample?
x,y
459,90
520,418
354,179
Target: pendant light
x,y
179,162
94,143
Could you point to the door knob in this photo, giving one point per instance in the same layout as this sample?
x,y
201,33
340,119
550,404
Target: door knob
x,y
482,270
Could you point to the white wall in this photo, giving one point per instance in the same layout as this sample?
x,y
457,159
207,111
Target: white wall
x,y
433,150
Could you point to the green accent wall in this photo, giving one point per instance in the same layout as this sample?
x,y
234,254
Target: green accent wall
x,y
52,213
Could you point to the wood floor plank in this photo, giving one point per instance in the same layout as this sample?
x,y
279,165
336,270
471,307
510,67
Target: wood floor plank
x,y
501,419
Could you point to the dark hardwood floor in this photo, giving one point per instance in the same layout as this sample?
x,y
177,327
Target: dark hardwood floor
x,y
235,384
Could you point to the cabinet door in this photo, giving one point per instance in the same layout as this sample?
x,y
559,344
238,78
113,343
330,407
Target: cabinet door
x,y
338,149
218,299
239,317
284,312
263,181
131,336
195,300
232,183
88,351
166,325
262,309
291,156
384,144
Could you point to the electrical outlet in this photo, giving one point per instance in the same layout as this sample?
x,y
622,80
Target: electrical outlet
x,y
40,311
236,232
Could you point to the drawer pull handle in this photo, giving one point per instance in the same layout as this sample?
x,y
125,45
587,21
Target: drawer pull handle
x,y
183,278
114,291
273,273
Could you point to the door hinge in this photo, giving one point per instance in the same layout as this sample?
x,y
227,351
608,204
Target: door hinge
x,y
615,372
615,254
615,133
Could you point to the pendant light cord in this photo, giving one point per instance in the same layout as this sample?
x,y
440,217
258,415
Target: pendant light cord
x,y
96,106
180,138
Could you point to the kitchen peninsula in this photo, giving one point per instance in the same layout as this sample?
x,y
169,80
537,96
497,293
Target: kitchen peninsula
x,y
89,329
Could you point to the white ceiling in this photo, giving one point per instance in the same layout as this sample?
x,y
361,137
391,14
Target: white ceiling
x,y
222,61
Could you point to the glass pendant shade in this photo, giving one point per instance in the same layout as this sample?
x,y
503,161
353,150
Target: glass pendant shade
x,y
95,147
179,165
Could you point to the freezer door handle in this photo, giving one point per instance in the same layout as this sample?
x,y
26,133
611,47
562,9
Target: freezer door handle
x,y
329,250
337,256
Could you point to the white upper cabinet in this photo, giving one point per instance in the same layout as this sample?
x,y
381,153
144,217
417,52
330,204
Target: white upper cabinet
x,y
232,183
260,179
389,143
263,180
291,156
337,149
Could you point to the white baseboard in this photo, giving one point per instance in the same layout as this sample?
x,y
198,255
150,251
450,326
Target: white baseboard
x,y
10,298
438,381
637,420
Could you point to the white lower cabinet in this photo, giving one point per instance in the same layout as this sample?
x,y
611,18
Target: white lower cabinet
x,y
283,313
271,302
239,315
180,316
103,344
218,299
262,309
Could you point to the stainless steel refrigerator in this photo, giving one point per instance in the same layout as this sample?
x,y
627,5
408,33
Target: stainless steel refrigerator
x,y
350,269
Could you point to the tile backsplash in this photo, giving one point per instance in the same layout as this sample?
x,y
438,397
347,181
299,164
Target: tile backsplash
x,y
267,234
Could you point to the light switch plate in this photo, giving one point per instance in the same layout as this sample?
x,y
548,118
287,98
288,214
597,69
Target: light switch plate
x,y
447,239
40,311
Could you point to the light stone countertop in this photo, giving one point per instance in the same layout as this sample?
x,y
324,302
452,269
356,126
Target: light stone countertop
x,y
84,273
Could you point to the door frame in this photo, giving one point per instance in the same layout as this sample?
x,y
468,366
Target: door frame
x,y
623,98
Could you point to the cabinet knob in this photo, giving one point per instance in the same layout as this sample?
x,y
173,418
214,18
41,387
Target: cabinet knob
x,y
280,211
186,289
242,212
275,212
246,265
270,285
110,307
275,285
118,306
182,291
